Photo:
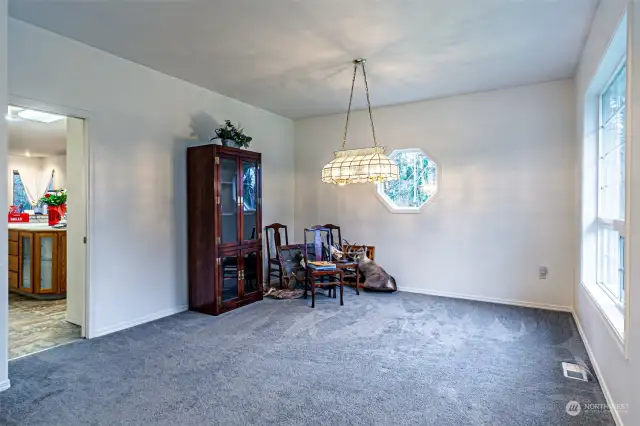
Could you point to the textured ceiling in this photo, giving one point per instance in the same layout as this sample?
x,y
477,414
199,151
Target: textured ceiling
x,y
293,57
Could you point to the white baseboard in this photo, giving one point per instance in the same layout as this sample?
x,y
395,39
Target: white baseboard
x,y
487,299
5,384
603,385
139,321
74,321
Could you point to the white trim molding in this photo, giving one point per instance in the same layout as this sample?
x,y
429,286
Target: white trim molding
x,y
87,116
476,298
611,314
4,385
596,368
139,321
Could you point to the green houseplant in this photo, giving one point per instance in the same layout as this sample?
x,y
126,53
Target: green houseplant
x,y
57,205
55,199
230,135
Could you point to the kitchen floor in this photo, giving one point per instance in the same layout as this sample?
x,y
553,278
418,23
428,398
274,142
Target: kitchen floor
x,y
35,325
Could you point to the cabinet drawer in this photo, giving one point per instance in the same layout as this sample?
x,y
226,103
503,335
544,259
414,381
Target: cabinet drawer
x,y
13,235
13,279
13,248
13,263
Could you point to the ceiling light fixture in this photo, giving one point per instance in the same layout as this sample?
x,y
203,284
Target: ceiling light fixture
x,y
11,113
42,117
360,165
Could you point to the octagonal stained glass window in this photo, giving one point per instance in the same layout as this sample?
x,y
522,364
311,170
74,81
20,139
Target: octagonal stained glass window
x,y
418,182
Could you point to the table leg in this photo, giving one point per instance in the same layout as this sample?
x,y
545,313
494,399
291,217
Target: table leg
x,y
313,293
342,290
357,279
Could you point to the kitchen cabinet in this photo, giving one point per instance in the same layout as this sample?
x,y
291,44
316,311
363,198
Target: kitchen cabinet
x,y
37,261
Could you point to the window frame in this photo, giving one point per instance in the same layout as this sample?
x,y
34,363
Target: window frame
x,y
617,225
390,205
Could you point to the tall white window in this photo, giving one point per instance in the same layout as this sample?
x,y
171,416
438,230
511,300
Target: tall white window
x,y
611,187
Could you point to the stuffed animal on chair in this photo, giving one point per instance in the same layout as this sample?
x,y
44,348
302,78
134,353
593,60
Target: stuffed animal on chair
x,y
376,278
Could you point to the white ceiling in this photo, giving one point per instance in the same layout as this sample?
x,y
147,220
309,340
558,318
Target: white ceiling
x,y
38,139
293,57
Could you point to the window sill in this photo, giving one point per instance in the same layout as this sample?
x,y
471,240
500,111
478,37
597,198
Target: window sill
x,y
609,310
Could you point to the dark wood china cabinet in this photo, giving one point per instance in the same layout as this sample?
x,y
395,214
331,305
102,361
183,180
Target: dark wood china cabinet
x,y
224,197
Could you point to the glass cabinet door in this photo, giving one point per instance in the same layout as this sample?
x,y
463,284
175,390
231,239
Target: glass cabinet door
x,y
46,263
251,264
250,200
230,277
26,261
46,266
229,201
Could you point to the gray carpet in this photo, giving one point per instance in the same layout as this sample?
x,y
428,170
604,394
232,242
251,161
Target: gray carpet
x,y
382,359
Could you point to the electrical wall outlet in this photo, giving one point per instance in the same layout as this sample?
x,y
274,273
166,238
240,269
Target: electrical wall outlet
x,y
542,272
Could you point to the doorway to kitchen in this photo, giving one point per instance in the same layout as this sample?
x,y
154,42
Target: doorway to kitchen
x,y
47,221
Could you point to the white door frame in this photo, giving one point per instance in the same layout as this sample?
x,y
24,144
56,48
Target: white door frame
x,y
87,329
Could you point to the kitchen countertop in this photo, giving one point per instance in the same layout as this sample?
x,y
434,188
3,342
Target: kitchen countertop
x,y
34,227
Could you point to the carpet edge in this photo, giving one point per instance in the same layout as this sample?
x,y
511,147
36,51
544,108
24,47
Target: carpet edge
x,y
497,300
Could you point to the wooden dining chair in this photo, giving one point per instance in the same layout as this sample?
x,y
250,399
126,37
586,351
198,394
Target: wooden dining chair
x,y
314,250
291,259
336,235
318,246
274,241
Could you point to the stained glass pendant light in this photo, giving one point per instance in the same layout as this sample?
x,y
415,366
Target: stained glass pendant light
x,y
359,165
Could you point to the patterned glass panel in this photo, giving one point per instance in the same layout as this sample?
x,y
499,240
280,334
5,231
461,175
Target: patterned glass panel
x,y
229,278
20,197
251,265
249,200
26,262
46,263
229,200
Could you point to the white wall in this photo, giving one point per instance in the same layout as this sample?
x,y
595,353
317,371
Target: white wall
x,y
139,129
36,173
619,375
4,315
59,164
506,202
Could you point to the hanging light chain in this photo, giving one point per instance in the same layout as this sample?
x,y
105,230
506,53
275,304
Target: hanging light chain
x,y
362,164
366,88
346,125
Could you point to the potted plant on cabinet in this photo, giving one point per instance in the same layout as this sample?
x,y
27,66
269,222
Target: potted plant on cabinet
x,y
57,205
233,136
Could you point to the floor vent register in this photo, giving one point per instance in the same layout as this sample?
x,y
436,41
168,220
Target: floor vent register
x,y
574,371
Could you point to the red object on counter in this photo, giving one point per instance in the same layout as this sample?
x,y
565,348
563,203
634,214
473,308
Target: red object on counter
x,y
18,218
56,213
